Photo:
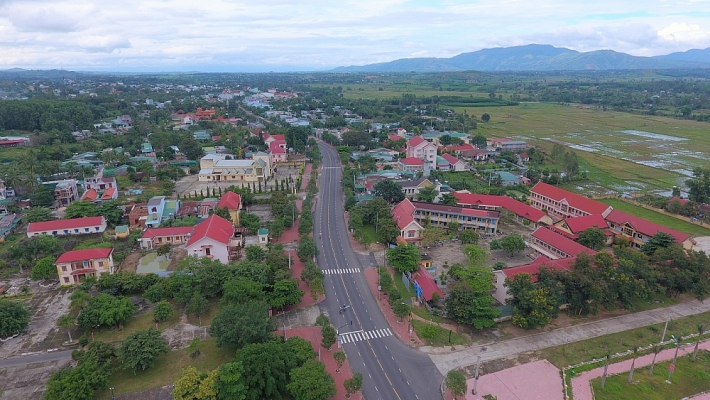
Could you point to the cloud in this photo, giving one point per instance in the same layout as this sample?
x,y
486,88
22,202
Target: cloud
x,y
104,44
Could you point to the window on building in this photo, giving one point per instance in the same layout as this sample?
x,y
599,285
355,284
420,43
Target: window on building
x,y
66,279
64,268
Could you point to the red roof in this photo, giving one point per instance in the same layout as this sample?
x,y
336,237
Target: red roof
x,y
579,202
646,227
230,200
394,137
215,228
108,194
403,213
279,137
83,271
560,242
275,148
82,255
426,282
13,141
411,161
416,141
90,195
451,159
579,224
506,202
169,231
460,147
61,224
563,264
679,200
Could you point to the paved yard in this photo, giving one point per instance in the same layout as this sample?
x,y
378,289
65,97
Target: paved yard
x,y
538,380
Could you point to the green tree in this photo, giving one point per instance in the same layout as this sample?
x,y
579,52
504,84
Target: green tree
x,y
512,244
339,357
322,320
79,209
456,382
592,238
427,194
477,255
533,306
239,325
448,199
191,148
401,310
266,369
432,235
107,310
328,336
276,228
472,305
38,214
154,293
162,311
306,249
139,350
353,385
250,221
42,197
485,117
301,348
111,211
223,212
229,384
255,253
44,269
66,321
479,141
311,382
195,386
242,290
197,305
404,258
78,383
389,190
467,236
657,241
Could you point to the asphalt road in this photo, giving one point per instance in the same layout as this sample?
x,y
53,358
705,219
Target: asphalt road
x,y
35,358
390,369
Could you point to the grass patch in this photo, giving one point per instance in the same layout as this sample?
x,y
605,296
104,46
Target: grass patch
x,y
442,335
585,350
206,319
422,312
689,378
366,235
167,369
138,323
665,220
406,293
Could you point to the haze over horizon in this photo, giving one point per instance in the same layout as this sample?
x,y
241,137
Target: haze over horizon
x,y
278,35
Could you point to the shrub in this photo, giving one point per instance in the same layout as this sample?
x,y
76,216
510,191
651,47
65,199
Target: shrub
x,y
429,332
83,340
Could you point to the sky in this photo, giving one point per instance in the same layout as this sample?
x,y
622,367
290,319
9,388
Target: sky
x,y
298,35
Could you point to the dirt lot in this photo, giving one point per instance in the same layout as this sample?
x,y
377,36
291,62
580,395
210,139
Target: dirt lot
x,y
190,184
28,382
262,210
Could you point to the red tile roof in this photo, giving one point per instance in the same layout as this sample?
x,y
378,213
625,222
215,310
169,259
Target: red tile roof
x,y
416,141
563,264
169,231
426,282
506,202
215,228
451,159
560,242
403,213
579,224
579,202
90,195
275,148
279,137
460,147
81,255
679,200
394,137
646,227
411,161
108,194
230,200
60,224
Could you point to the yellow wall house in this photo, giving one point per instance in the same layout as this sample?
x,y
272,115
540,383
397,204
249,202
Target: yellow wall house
x,y
76,265
217,168
232,202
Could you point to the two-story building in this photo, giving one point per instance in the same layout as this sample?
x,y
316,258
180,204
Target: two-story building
x,y
76,265
560,203
412,164
213,238
441,215
419,148
519,211
63,227
106,188
412,187
403,215
639,230
155,237
217,168
156,205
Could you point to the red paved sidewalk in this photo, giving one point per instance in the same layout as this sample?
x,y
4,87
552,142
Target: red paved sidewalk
x,y
306,177
401,329
296,269
313,335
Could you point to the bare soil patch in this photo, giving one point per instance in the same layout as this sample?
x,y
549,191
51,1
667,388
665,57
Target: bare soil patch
x,y
130,263
28,381
176,255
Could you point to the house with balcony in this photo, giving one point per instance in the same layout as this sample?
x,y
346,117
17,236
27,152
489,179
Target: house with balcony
x,y
555,246
156,205
65,191
559,203
412,164
76,265
419,148
403,215
105,188
214,238
173,236
64,227
639,231
517,210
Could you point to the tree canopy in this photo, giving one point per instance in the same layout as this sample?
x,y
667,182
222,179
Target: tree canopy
x,y
311,382
14,317
389,190
404,258
240,325
139,350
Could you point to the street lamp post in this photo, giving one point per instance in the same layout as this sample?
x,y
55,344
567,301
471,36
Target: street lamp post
x,y
111,388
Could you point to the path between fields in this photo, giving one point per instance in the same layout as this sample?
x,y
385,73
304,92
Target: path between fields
x,y
504,349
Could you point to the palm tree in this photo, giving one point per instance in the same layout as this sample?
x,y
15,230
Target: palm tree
x,y
606,366
701,330
66,322
633,364
677,345
656,349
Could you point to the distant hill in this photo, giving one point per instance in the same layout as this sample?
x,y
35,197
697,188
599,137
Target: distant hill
x,y
536,57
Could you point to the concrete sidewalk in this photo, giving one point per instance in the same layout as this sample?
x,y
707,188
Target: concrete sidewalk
x,y
447,362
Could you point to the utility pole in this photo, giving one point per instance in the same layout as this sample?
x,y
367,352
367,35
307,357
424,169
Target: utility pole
x,y
664,330
475,383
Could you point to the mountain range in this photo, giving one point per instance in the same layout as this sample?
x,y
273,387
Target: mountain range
x,y
537,57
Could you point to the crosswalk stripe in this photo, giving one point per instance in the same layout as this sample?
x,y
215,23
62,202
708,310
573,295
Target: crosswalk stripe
x,y
388,332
